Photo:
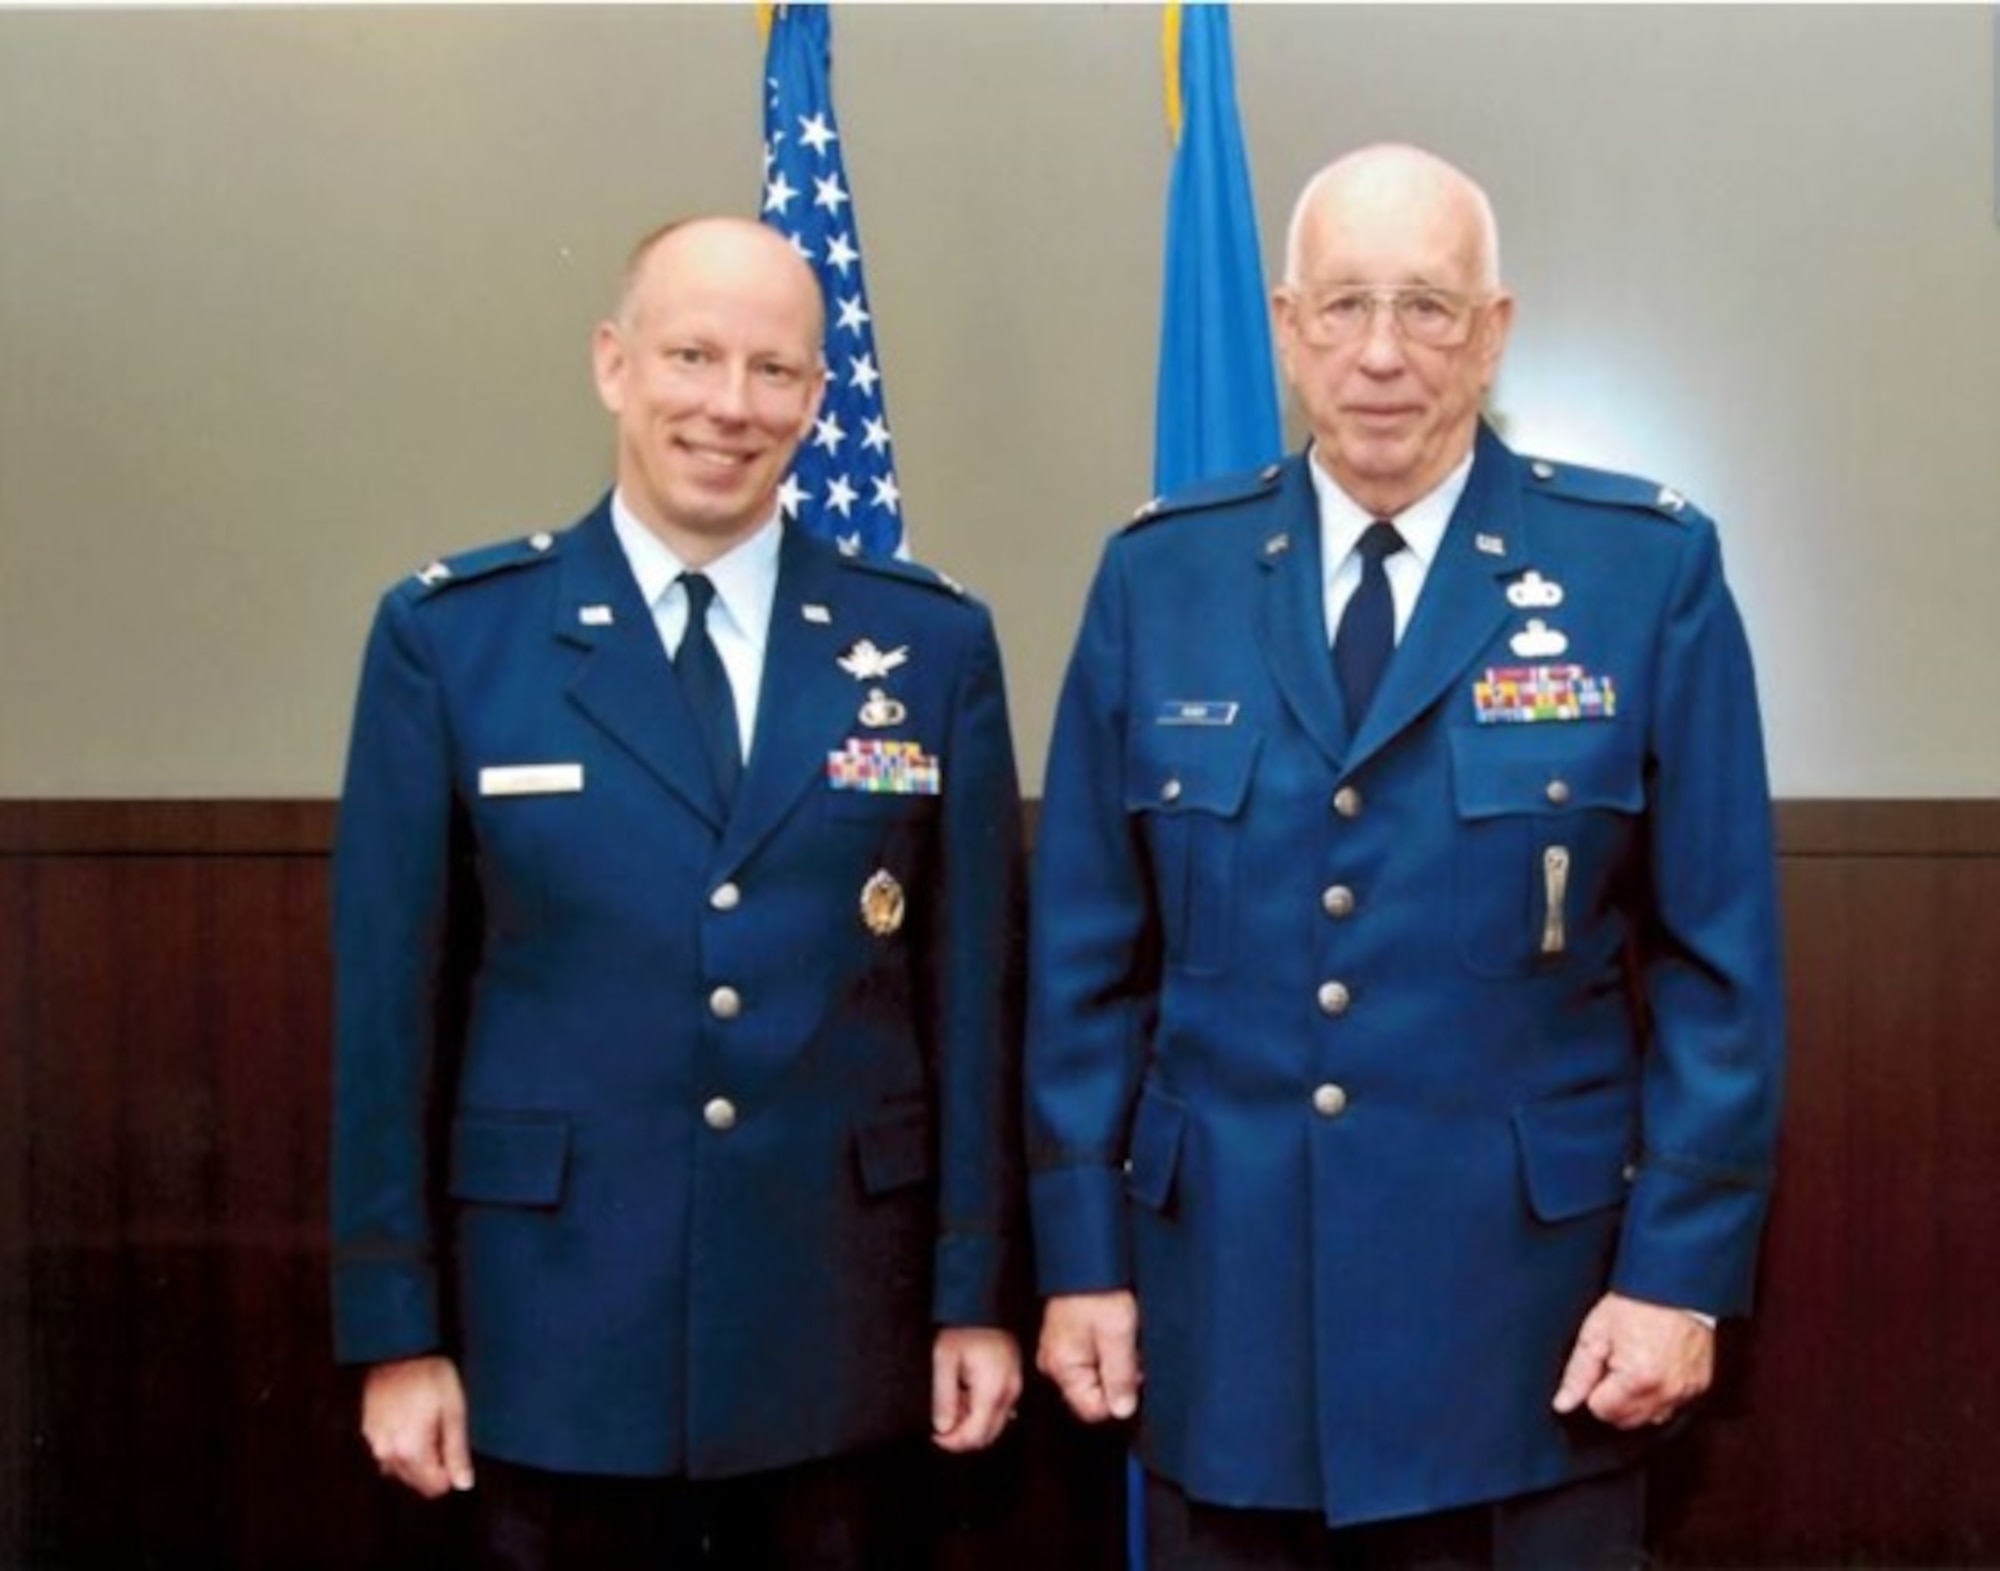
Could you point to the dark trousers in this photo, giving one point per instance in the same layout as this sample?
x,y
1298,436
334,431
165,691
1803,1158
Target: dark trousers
x,y
852,1513
1597,1524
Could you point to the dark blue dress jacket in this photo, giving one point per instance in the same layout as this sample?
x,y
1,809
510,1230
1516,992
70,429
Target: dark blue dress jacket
x,y
680,1132
1372,1057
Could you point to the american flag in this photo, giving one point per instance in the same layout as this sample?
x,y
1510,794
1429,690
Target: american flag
x,y
843,485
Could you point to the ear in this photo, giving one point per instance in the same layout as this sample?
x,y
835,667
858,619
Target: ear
x,y
1284,331
815,396
608,360
1493,333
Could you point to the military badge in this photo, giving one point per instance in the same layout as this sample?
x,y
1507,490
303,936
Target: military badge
x,y
1532,592
882,710
1538,641
881,903
865,663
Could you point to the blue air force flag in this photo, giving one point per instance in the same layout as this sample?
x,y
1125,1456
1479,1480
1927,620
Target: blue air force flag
x,y
1217,403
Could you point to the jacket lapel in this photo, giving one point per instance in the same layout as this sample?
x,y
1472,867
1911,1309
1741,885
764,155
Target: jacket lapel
x,y
623,680
1292,617
1461,608
807,704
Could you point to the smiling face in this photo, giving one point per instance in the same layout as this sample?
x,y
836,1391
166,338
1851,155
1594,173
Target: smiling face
x,y
1390,416
712,370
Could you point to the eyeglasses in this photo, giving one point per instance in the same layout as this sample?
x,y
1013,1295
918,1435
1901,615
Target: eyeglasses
x,y
1435,318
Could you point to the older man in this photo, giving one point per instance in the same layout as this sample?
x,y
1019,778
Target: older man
x,y
677,899
1405,1024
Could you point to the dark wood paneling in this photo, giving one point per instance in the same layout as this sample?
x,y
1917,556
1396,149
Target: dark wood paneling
x,y
165,1394
1864,1427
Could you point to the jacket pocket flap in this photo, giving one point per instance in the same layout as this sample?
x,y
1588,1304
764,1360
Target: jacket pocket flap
x,y
1154,1155
509,1160
1503,770
894,1150
1575,1150
1197,771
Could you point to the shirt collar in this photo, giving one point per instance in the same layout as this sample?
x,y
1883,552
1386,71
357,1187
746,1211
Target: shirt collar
x,y
745,576
1422,524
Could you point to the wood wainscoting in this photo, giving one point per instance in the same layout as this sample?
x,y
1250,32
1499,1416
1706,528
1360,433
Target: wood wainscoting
x,y
165,1393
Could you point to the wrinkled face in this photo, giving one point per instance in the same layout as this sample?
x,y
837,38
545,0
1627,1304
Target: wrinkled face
x,y
1391,393
712,370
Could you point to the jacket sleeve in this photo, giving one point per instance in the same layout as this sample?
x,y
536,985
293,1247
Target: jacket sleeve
x,y
1093,966
392,903
1710,964
978,964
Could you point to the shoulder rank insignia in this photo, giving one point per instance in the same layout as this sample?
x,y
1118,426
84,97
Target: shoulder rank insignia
x,y
905,571
1613,489
1219,491
470,566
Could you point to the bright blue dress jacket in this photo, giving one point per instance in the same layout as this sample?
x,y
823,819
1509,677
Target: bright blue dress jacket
x,y
1372,1057
663,1234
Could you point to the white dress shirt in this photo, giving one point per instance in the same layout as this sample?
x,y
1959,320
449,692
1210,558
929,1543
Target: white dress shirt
x,y
1342,521
739,622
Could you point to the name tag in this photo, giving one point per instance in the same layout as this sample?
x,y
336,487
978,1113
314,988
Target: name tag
x,y
1197,711
530,779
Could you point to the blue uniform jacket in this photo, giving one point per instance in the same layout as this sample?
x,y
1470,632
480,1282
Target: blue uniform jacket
x,y
645,1116
1371,1060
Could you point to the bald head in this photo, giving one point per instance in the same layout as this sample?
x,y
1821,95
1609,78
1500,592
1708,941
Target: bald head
x,y
1389,178
718,247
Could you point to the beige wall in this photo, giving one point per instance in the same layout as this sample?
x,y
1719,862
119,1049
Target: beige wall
x,y
291,300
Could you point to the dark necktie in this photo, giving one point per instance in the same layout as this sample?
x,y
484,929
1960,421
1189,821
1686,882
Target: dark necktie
x,y
706,684
1366,636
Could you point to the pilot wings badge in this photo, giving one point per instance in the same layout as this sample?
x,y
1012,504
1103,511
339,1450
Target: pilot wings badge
x,y
865,663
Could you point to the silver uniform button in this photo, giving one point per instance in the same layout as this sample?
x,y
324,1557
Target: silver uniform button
x,y
1337,901
1329,1100
725,897
719,1113
725,1003
1334,998
1347,802
1558,792
1171,791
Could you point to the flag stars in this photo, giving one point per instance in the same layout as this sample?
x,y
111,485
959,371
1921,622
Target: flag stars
x,y
841,495
778,194
816,133
840,252
887,497
853,316
861,373
875,435
827,193
827,433
791,496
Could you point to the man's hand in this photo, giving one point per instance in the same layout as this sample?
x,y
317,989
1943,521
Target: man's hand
x,y
1090,1349
975,1382
413,1418
1636,1363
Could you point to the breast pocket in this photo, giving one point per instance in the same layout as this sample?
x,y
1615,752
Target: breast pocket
x,y
1546,820
1186,789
